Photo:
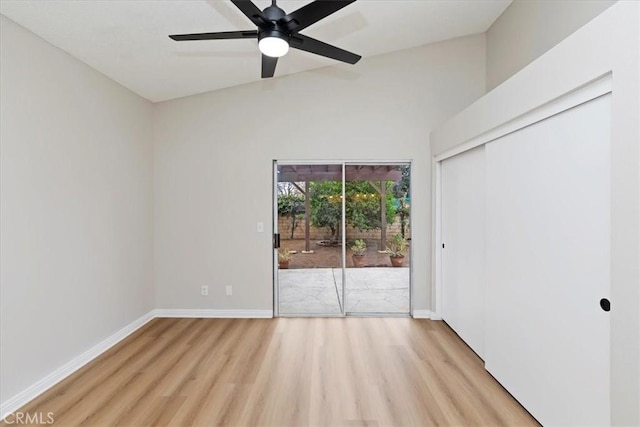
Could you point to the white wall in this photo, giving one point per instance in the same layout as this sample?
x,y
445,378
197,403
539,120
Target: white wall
x,y
76,208
213,161
529,28
638,89
608,44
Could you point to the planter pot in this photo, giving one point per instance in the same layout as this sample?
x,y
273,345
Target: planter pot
x,y
283,265
358,260
397,261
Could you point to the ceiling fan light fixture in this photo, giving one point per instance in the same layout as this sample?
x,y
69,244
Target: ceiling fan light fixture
x,y
273,43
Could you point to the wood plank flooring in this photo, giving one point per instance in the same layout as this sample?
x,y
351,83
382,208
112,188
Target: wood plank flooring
x,y
284,372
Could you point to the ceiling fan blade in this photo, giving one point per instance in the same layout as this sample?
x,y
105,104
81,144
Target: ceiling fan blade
x,y
311,45
251,11
312,13
251,34
268,66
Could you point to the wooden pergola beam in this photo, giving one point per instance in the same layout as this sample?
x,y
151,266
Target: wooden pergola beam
x,y
334,173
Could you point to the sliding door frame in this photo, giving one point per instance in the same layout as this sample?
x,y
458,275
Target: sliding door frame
x,y
344,164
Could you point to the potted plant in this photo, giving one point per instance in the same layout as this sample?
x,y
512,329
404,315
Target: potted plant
x,y
284,256
396,248
359,247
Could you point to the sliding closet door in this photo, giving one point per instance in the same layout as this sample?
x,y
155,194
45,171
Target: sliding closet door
x,y
463,226
548,257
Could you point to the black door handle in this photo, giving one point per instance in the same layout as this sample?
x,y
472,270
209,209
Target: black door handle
x,y
605,304
276,241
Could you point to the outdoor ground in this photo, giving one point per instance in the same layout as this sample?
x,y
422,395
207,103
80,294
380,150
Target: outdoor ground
x,y
318,291
324,257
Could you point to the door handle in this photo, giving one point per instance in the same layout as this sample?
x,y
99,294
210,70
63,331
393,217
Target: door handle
x,y
276,240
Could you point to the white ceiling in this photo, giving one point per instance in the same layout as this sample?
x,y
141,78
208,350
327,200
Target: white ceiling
x,y
127,39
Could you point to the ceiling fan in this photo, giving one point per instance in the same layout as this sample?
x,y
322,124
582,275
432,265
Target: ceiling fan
x,y
277,31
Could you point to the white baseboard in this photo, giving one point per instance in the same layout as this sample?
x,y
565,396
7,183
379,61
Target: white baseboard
x,y
206,313
36,389
426,314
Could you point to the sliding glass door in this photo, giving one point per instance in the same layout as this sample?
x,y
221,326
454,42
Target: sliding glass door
x,y
309,218
377,204
342,239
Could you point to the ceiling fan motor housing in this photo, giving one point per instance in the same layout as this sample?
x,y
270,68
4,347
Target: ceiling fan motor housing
x,y
273,13
274,32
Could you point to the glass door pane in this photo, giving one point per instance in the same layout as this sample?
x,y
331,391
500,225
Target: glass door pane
x,y
377,235
309,221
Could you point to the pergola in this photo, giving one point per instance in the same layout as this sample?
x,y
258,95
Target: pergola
x,y
376,175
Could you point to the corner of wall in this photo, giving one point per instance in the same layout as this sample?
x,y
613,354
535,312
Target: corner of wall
x,y
527,29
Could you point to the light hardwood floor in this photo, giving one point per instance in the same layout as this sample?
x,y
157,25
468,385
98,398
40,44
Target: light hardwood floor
x,y
284,372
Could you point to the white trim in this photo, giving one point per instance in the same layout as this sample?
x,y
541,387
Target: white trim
x,y
584,93
411,259
276,230
213,313
39,387
343,255
436,271
425,314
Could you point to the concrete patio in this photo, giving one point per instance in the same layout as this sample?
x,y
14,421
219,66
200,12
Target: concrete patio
x,y
368,290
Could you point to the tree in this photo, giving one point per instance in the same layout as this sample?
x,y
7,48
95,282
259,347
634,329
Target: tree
x,y
363,205
402,187
401,192
290,203
326,206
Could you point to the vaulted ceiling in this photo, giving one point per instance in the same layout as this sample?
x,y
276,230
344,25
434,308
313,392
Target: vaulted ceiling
x,y
127,40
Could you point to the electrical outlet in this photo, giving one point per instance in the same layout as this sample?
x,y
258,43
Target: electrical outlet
x,y
229,290
260,227
204,291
